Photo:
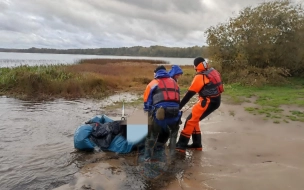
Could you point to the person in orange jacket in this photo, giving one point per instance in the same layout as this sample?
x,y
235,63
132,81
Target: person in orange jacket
x,y
162,95
208,84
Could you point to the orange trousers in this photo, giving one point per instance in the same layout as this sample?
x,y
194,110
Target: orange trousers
x,y
200,110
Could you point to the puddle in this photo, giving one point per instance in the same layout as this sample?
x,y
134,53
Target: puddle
x,y
120,97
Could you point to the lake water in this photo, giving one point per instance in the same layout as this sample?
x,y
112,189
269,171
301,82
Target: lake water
x,y
36,138
17,59
36,142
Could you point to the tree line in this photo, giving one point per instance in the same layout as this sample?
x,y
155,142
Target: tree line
x,y
152,51
268,37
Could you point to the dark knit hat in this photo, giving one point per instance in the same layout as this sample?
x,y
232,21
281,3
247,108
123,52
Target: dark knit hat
x,y
198,60
159,68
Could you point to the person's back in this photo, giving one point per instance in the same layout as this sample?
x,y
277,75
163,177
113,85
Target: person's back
x,y
162,91
161,100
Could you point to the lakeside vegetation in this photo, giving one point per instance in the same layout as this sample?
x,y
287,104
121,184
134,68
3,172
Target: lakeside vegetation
x,y
98,78
263,41
92,78
260,57
152,51
260,54
279,103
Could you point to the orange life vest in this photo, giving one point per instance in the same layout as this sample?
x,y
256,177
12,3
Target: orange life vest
x,y
215,86
167,91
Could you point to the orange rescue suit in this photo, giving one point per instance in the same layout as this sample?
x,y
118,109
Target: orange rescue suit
x,y
208,85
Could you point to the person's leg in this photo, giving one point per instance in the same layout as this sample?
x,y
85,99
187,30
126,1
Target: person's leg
x,y
196,138
151,138
213,104
163,135
156,138
196,141
191,123
173,137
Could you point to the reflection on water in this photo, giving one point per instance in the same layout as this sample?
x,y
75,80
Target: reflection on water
x,y
37,150
16,59
36,141
124,172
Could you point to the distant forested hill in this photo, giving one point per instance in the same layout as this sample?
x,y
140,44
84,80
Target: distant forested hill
x,y
152,51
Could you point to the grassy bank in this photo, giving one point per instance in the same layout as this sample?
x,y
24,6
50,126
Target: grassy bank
x,y
271,101
88,79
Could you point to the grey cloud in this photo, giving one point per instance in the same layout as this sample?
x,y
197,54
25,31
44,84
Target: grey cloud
x,y
18,23
177,23
112,23
164,6
68,12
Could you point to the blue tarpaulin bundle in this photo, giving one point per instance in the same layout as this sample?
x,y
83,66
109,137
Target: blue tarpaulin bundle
x,y
83,139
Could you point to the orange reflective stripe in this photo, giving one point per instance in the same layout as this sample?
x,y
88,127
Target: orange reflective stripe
x,y
153,83
196,131
186,135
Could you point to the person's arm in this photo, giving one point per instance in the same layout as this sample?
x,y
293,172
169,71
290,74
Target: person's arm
x,y
196,85
186,98
148,101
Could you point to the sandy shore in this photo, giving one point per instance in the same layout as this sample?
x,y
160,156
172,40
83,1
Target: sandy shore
x,y
241,152
246,152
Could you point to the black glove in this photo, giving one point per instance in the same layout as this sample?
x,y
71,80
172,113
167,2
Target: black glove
x,y
186,98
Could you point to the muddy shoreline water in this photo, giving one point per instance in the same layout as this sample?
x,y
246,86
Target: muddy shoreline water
x,y
241,151
36,140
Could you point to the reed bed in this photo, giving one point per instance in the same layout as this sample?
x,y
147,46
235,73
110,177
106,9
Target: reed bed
x,y
93,78
103,61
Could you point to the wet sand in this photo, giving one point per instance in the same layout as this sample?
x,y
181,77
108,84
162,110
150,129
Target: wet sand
x,y
246,152
240,151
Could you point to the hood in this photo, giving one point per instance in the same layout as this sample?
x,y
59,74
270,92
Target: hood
x,y
161,74
200,68
175,70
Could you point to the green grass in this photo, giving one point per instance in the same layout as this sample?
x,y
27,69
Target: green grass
x,y
268,99
296,115
291,94
100,80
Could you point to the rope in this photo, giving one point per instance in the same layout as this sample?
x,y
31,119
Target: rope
x,y
189,107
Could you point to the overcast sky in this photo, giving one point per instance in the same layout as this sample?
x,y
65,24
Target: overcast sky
x,y
112,23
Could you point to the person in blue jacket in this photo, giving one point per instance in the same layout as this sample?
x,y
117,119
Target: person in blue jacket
x,y
175,72
161,101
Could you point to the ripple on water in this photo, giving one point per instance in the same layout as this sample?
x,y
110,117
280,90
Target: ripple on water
x,y
36,142
38,151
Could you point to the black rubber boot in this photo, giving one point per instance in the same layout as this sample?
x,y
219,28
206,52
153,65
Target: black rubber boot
x,y
181,145
197,142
